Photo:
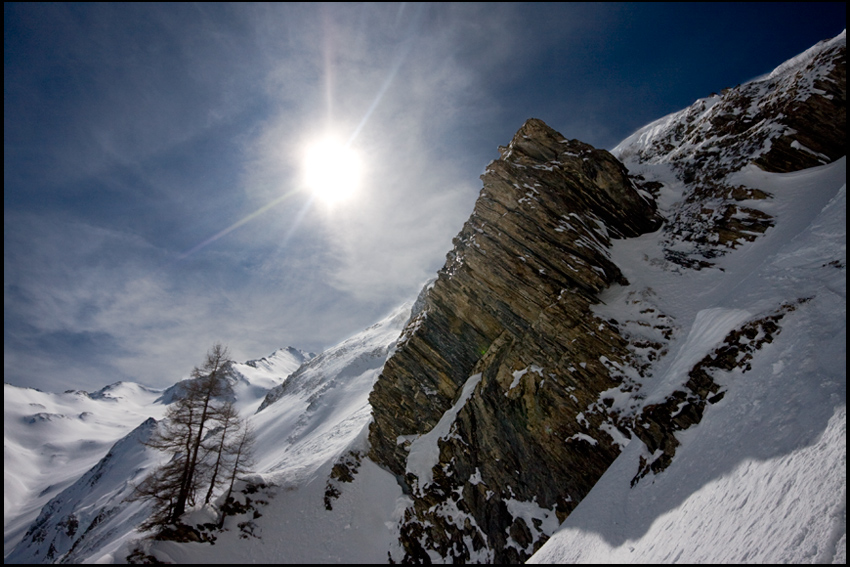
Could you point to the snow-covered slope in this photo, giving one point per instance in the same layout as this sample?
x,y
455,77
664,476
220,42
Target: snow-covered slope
x,y
314,415
724,132
93,513
312,424
50,440
256,377
322,408
762,477
54,442
308,430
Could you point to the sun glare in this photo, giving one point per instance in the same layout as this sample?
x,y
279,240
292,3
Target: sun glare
x,y
332,170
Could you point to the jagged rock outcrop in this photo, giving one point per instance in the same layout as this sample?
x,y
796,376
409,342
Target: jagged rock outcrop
x,y
509,316
657,424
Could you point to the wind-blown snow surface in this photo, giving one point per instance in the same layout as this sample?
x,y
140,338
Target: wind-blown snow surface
x,y
762,478
321,409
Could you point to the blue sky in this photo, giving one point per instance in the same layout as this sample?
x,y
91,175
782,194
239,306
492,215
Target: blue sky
x,y
153,188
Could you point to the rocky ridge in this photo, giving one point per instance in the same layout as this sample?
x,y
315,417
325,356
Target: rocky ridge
x,y
510,312
507,398
793,118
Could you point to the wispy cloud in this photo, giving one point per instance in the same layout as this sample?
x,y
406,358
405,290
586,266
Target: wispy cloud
x,y
153,195
391,82
123,309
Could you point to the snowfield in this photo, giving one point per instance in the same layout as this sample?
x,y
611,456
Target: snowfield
x,y
762,478
51,440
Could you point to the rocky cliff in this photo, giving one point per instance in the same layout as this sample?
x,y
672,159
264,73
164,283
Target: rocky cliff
x,y
502,404
508,323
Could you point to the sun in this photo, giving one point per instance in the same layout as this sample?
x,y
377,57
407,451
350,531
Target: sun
x,y
332,170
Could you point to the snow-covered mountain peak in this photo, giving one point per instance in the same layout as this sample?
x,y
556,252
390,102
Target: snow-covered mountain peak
x,y
51,439
321,411
370,347
804,60
122,391
791,119
719,134
282,359
84,518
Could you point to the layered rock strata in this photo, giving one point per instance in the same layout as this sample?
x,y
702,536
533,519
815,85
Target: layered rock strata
x,y
482,410
499,410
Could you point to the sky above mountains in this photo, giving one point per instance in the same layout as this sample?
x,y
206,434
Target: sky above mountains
x,y
155,192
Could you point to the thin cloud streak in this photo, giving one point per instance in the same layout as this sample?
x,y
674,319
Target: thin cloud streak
x,y
262,210
400,58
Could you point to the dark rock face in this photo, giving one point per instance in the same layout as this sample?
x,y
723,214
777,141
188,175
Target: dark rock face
x,y
513,305
792,119
815,116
